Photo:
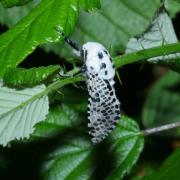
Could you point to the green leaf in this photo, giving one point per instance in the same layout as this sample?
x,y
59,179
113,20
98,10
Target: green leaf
x,y
11,3
16,104
20,110
60,118
161,33
169,170
35,29
89,5
79,158
76,99
20,77
163,102
112,26
127,144
10,16
173,7
145,54
67,114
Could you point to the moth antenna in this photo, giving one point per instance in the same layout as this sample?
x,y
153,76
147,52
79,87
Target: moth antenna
x,y
67,40
72,44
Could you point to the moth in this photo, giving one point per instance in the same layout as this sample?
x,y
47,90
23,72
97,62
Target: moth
x,y
103,105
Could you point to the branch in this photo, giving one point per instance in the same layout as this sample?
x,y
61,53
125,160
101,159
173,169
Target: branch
x,y
143,55
158,129
146,54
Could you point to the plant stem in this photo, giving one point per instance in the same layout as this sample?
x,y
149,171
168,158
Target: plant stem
x,y
143,55
146,54
119,61
158,129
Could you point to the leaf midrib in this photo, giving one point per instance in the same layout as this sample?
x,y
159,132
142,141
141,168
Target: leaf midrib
x,y
56,85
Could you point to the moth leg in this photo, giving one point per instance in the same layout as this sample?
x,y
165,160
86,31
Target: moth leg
x,y
62,74
82,69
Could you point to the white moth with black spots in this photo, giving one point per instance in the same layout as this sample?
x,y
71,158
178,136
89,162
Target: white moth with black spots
x,y
103,105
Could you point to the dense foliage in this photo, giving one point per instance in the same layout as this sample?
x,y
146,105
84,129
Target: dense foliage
x,y
43,115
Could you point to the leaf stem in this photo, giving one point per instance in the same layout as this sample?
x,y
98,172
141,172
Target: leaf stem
x,y
158,129
146,54
62,82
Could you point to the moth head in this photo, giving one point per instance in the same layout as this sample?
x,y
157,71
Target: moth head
x,y
93,51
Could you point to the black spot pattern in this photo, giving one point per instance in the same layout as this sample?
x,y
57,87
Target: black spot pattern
x,y
100,55
104,108
103,66
91,67
84,54
105,52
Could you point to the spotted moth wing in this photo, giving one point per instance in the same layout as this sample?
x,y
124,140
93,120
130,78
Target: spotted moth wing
x,y
103,107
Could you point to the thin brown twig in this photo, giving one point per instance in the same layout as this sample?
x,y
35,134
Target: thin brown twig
x,y
158,129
